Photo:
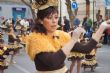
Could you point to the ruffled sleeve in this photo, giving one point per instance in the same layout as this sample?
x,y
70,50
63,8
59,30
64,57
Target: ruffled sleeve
x,y
65,37
36,44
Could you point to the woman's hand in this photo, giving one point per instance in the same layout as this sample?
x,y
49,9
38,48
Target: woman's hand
x,y
105,24
77,32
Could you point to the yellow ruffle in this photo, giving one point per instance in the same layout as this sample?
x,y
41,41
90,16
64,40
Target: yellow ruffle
x,y
93,52
23,38
37,42
14,46
2,51
76,54
92,62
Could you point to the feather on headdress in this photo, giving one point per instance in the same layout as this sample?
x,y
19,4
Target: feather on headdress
x,y
43,4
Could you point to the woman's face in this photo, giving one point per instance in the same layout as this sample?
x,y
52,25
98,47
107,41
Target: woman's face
x,y
51,22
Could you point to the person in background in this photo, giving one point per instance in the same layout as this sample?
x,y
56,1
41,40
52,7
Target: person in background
x,y
100,20
66,26
105,37
49,47
90,60
4,53
76,22
97,15
3,24
76,57
17,26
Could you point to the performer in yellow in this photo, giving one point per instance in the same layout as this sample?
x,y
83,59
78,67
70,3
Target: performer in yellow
x,y
90,59
47,46
12,43
3,55
76,57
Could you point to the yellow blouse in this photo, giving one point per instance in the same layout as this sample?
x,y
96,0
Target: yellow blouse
x,y
37,42
23,38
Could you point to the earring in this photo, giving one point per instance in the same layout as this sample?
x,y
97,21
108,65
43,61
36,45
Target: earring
x,y
40,21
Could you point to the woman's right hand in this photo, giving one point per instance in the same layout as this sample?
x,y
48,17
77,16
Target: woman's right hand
x,y
105,24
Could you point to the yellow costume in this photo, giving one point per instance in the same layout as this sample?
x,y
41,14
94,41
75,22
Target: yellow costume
x,y
37,42
90,59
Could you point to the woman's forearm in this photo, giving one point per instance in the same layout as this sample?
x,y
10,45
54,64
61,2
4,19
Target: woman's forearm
x,y
74,46
84,48
67,48
93,42
98,33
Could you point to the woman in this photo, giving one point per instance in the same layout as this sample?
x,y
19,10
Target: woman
x,y
90,60
48,47
12,43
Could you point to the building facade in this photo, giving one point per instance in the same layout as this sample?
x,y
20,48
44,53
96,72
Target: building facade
x,y
98,5
13,9
95,5
108,8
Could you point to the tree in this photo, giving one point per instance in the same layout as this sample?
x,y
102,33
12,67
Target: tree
x,y
29,5
70,12
71,17
88,7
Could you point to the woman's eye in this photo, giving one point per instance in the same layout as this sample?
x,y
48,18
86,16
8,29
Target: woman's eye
x,y
49,17
56,17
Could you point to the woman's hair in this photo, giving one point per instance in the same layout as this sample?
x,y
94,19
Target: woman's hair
x,y
41,14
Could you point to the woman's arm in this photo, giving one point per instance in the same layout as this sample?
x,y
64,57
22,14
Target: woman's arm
x,y
84,48
73,45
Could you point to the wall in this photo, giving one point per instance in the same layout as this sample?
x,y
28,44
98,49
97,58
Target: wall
x,y
82,8
7,10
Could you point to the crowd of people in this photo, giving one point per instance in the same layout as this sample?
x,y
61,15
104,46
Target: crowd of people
x,y
88,25
16,32
87,60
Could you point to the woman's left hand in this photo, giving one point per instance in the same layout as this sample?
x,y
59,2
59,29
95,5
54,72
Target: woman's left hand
x,y
77,32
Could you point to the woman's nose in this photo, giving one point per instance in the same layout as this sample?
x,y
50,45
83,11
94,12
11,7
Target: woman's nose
x,y
54,20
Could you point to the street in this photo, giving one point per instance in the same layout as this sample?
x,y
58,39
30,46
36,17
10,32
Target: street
x,y
25,65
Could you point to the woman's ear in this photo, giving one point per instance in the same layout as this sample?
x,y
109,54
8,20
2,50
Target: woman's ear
x,y
40,21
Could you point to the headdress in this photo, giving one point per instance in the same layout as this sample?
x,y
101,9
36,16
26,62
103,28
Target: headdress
x,y
1,34
43,4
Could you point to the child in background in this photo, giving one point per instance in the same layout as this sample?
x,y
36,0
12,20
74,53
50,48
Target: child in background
x,y
90,59
76,57
3,55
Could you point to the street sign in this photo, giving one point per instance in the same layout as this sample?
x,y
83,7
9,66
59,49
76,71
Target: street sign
x,y
107,2
74,5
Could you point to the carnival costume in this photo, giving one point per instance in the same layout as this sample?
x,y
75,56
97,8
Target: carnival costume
x,y
40,43
4,53
76,55
45,50
90,59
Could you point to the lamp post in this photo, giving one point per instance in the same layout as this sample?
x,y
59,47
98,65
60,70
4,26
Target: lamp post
x,y
88,7
60,12
60,18
93,9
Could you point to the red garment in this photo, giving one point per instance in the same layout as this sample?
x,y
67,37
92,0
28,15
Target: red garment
x,y
108,31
